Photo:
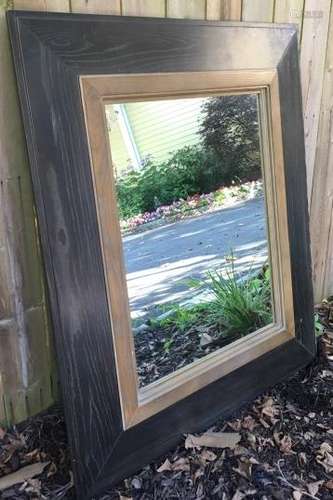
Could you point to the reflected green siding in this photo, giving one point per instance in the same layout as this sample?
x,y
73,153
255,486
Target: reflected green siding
x,y
119,154
159,128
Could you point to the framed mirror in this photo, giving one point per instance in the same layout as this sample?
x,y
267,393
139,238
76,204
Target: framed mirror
x,y
168,166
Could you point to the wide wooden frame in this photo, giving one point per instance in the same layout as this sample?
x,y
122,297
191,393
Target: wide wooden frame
x,y
68,66
97,92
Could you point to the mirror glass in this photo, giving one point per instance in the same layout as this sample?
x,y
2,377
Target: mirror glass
x,y
191,203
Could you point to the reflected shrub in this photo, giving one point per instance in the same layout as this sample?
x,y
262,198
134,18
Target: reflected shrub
x,y
190,170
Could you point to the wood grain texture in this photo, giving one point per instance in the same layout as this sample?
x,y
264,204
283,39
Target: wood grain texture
x,y
258,10
231,10
224,10
51,52
214,10
290,11
191,9
137,407
322,186
96,6
24,371
298,215
149,8
46,5
312,63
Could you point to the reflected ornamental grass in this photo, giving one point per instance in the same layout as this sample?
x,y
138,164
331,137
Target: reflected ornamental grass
x,y
236,306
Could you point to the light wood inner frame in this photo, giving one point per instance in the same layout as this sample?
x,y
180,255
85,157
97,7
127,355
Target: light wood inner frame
x,y
99,90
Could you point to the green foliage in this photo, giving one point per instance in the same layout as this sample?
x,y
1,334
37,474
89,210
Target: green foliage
x,y
219,197
319,329
229,128
245,303
240,306
229,151
188,171
181,317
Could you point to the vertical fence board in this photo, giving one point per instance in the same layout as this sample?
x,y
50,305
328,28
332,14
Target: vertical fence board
x,y
231,10
152,8
321,214
226,10
214,9
258,10
290,11
47,5
25,371
313,52
191,9
96,6
22,226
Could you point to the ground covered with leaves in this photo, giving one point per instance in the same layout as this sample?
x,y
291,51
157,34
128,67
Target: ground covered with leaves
x,y
279,446
169,346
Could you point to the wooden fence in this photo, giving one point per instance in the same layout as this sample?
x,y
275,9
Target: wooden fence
x,y
27,366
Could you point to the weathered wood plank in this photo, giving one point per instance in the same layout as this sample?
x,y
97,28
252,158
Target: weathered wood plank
x,y
226,10
312,62
321,209
191,9
21,267
96,6
48,5
213,9
231,10
289,11
149,8
5,295
9,360
22,239
258,10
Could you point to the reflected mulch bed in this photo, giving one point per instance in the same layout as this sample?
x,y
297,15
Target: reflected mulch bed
x,y
283,449
160,351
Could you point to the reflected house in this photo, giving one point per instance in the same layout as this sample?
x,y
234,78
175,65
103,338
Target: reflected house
x,y
151,129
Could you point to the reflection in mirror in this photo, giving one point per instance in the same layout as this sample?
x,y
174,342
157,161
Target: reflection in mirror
x,y
193,221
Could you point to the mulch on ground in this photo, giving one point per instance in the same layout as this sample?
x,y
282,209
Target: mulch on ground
x,y
281,448
163,350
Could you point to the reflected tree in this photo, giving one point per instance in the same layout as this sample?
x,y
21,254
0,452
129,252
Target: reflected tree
x,y
229,127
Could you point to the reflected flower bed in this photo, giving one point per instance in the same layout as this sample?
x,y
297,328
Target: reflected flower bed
x,y
194,205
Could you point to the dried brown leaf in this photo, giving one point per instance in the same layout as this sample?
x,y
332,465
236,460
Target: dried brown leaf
x,y
302,458
264,423
244,469
327,462
329,484
182,464
238,495
313,488
236,425
22,475
249,423
205,339
166,466
208,456
285,445
136,483
213,440
325,457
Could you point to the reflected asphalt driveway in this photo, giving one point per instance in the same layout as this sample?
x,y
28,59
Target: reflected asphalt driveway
x,y
160,261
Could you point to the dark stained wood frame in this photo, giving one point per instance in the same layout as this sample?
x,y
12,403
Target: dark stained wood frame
x,y
51,53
